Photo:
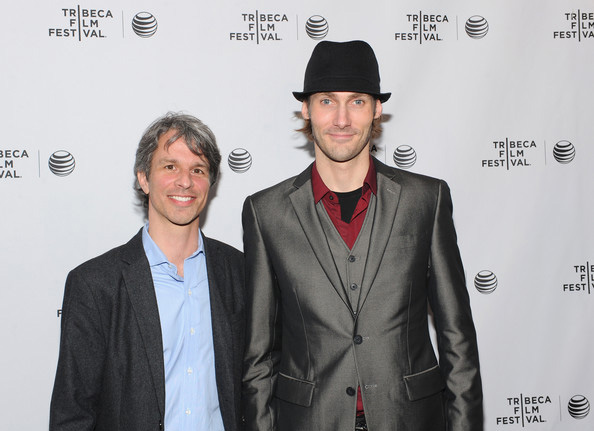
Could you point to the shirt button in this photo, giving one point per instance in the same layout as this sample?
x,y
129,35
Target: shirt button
x,y
189,370
354,286
352,258
358,339
188,411
331,197
351,391
190,292
192,331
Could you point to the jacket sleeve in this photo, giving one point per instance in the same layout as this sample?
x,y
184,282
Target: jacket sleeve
x,y
77,386
262,354
456,336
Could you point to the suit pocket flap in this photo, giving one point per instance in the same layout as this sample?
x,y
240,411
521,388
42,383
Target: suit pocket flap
x,y
424,384
294,390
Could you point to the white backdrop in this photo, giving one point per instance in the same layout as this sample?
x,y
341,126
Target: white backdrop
x,y
504,116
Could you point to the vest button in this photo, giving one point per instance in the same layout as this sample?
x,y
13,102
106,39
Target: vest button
x,y
351,391
352,258
358,339
354,286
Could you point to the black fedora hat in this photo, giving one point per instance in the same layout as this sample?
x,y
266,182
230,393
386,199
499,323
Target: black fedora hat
x,y
342,66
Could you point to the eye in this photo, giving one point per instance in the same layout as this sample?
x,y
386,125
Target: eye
x,y
358,102
198,171
325,101
169,167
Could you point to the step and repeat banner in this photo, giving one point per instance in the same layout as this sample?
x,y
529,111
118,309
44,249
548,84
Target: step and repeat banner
x,y
495,97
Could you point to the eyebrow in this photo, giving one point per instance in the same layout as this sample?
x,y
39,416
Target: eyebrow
x,y
174,161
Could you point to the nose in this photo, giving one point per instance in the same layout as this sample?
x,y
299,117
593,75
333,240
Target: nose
x,y
342,118
184,180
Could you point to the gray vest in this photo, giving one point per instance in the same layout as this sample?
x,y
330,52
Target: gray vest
x,y
350,263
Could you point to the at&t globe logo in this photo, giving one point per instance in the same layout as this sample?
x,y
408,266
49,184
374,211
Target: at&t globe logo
x,y
578,407
144,24
317,27
405,156
564,152
240,160
485,282
61,163
476,27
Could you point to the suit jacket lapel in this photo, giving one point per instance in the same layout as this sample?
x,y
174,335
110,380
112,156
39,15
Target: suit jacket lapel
x,y
303,203
217,283
139,284
388,197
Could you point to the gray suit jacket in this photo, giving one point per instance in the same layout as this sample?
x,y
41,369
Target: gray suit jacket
x,y
110,372
306,350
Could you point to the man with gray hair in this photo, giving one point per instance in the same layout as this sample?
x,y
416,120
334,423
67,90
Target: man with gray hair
x,y
153,331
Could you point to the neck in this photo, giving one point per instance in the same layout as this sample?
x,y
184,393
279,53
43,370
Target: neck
x,y
176,242
343,176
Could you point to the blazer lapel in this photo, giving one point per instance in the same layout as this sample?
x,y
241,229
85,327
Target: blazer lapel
x,y
222,341
388,197
303,203
139,284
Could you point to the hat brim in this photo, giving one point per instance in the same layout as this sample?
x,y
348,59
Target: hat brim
x,y
301,96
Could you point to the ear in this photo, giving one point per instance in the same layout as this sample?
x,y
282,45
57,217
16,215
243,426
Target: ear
x,y
143,181
304,110
378,109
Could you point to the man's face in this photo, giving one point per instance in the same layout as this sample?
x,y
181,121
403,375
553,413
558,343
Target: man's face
x,y
178,184
341,123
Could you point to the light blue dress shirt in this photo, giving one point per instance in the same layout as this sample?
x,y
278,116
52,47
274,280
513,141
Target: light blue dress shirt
x,y
191,396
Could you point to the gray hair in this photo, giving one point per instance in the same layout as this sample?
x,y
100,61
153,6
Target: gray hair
x,y
198,137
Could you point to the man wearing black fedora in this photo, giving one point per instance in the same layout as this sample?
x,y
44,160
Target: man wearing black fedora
x,y
343,261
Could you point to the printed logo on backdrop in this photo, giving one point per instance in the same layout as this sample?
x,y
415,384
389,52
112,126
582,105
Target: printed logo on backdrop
x,y
577,26
510,153
582,280
578,407
240,160
476,27
61,163
527,410
144,24
405,156
317,27
261,27
485,282
81,23
564,152
10,162
422,27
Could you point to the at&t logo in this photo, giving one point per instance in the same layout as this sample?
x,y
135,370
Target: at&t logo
x,y
485,282
405,156
240,160
317,27
476,27
564,152
61,163
144,24
578,407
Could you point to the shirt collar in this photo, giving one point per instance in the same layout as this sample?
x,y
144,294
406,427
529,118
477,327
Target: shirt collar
x,y
320,189
154,254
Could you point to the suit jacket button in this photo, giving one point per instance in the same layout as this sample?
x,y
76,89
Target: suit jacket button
x,y
358,339
351,391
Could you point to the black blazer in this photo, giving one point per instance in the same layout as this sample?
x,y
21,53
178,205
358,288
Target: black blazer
x,y
110,373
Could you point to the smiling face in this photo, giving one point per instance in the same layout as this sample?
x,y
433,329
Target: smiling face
x,y
177,186
341,124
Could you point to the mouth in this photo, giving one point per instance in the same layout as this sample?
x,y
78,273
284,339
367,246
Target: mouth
x,y
181,198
